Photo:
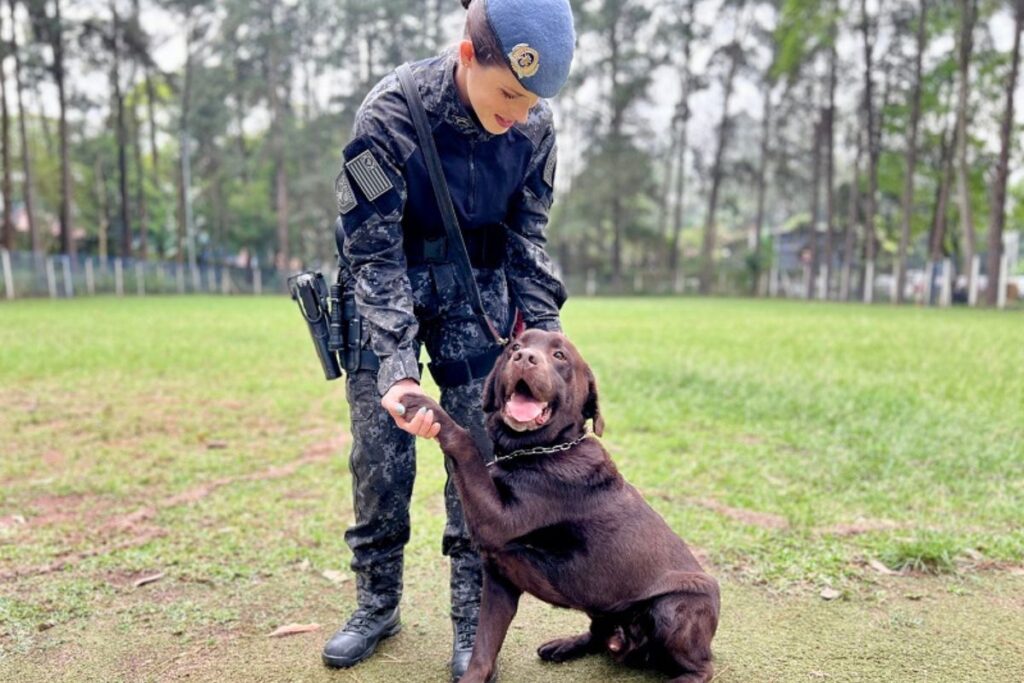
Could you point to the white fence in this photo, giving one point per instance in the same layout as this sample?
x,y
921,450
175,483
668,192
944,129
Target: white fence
x,y
61,276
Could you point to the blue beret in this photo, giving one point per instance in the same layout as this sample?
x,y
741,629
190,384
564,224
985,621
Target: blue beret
x,y
538,39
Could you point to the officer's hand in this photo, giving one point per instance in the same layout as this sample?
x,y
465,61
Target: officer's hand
x,y
420,424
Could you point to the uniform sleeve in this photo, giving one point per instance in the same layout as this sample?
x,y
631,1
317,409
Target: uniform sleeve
x,y
371,194
536,288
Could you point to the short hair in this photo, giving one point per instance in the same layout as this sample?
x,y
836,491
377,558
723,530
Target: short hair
x,y
478,30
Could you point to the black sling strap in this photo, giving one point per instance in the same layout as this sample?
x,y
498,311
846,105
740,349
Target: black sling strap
x,y
456,246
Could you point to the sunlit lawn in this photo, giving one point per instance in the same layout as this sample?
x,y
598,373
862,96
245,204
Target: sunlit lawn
x,y
797,446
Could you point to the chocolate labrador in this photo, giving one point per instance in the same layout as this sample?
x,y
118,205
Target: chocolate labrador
x,y
553,517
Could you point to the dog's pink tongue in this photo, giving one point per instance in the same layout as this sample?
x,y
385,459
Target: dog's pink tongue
x,y
524,408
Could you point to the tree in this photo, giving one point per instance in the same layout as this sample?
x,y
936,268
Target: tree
x,y
7,227
51,30
733,54
997,218
968,13
26,153
911,155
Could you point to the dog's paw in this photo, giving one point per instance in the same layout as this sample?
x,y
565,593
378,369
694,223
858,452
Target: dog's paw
x,y
564,649
413,402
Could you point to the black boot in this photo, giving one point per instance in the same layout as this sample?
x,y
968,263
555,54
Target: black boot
x,y
464,635
357,639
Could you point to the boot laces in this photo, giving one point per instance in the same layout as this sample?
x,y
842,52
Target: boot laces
x,y
362,621
465,634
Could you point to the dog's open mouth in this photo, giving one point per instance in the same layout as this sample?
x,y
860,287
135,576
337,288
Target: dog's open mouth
x,y
523,411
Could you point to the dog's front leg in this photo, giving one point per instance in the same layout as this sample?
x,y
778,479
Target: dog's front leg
x,y
486,515
498,603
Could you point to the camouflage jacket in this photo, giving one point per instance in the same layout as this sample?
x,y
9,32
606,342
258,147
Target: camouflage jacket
x,y
384,197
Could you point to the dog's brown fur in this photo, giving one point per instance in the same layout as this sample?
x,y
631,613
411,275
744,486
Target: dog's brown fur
x,y
567,528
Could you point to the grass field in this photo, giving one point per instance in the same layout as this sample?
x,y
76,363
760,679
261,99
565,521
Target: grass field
x,y
871,455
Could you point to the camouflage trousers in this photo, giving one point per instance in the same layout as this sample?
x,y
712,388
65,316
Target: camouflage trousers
x,y
383,466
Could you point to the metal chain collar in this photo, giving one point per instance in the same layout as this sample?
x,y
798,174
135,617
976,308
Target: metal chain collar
x,y
539,450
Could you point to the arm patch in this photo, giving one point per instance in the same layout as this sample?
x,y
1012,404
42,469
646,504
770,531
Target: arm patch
x,y
368,174
549,168
344,194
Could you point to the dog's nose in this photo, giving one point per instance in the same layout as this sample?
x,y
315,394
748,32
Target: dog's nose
x,y
525,356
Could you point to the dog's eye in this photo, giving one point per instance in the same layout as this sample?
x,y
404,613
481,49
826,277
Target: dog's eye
x,y
559,355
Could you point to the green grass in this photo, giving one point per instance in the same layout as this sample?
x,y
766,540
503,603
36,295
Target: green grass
x,y
793,444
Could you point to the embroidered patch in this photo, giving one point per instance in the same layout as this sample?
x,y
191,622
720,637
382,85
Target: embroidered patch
x,y
369,176
524,60
549,169
344,194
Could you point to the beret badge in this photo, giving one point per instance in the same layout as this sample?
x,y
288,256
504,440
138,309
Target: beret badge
x,y
524,60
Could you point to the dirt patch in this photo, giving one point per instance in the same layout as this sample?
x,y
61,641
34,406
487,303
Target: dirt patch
x,y
137,525
765,520
48,510
861,526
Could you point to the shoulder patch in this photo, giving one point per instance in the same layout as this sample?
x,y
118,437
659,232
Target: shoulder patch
x,y
549,168
344,194
369,176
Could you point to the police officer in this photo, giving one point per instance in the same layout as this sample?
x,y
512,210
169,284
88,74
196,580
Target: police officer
x,y
494,135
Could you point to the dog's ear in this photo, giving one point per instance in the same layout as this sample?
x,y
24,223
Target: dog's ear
x,y
492,387
590,409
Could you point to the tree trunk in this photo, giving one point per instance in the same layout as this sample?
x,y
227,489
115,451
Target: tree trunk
x,y
102,230
762,173
937,237
707,271
830,154
122,141
911,158
67,239
684,124
998,216
850,233
7,228
874,150
968,12
151,116
140,186
184,212
812,233
26,154
277,144
616,150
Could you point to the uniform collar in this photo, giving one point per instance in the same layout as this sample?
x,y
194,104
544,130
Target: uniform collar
x,y
443,99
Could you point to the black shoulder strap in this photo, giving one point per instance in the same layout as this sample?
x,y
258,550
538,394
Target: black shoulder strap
x,y
456,245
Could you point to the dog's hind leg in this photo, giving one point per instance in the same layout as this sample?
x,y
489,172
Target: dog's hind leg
x,y
684,625
498,603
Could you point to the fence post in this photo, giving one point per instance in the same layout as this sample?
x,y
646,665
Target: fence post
x,y
118,277
929,281
972,294
69,283
1004,280
591,283
5,265
869,282
257,280
225,280
51,279
181,278
946,293
140,279
90,277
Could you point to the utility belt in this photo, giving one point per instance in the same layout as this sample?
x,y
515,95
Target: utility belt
x,y
336,326
485,247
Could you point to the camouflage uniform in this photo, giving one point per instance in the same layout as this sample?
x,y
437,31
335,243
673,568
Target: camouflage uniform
x,y
387,206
